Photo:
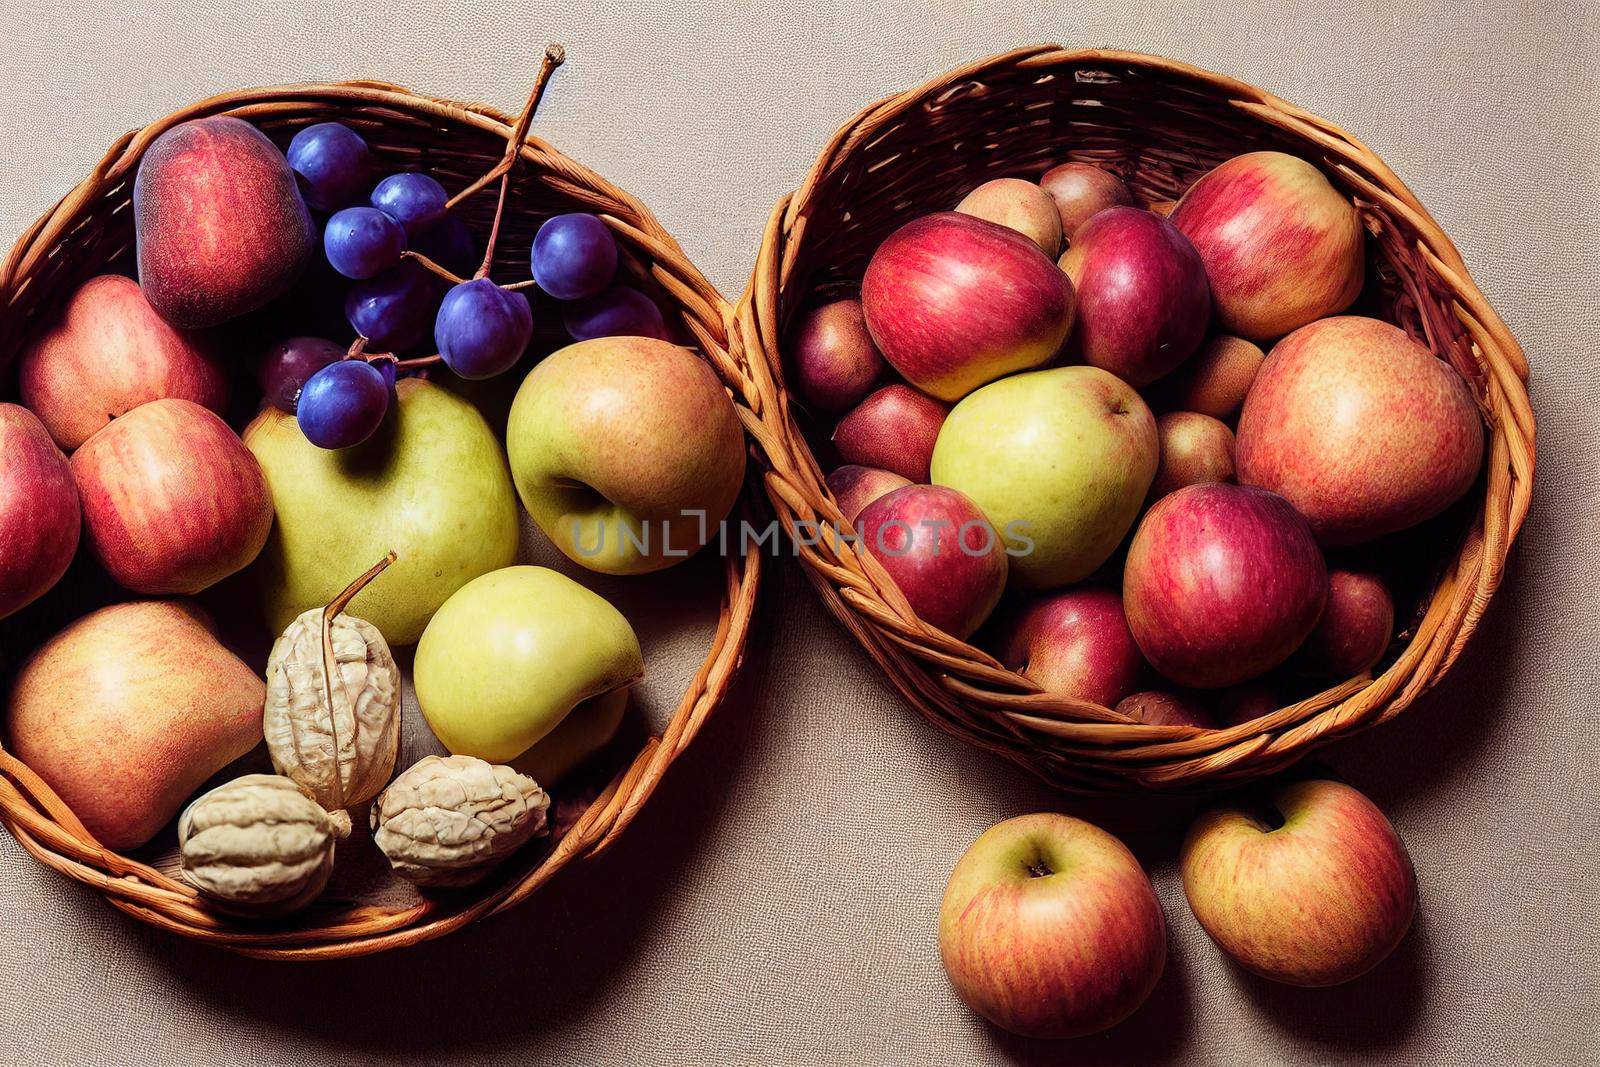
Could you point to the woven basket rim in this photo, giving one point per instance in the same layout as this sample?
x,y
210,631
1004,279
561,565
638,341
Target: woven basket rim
x,y
38,819
966,691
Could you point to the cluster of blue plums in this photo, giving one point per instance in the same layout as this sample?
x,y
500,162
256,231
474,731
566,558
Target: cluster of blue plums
x,y
481,329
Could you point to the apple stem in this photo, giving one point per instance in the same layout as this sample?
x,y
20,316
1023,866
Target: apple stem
x,y
448,275
330,664
554,56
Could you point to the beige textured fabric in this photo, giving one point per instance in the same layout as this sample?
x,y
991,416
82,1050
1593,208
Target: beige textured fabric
x,y
777,905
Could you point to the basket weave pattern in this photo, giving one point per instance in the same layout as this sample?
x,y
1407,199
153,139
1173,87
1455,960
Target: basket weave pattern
x,y
1158,124
91,228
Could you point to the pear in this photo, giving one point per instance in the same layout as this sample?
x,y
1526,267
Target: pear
x,y
432,485
508,658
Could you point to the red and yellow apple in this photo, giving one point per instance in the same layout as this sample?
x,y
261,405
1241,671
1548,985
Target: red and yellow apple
x,y
173,502
1281,245
627,452
941,553
107,354
835,362
894,429
1222,583
39,517
1314,888
1355,629
1162,707
1050,928
1361,428
1143,300
955,301
1076,643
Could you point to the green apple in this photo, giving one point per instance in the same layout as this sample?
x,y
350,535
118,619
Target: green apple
x,y
589,728
431,485
512,653
1058,460
626,451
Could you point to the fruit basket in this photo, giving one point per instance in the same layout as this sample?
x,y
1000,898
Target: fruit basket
x,y
1158,125
91,231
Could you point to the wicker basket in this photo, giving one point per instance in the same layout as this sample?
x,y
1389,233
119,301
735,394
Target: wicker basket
x,y
457,143
1159,125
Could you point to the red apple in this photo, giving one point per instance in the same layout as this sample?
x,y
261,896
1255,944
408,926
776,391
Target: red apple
x,y
38,510
1195,449
894,429
107,354
1222,582
1281,245
1313,890
955,301
172,500
1076,643
1143,300
854,487
941,553
1363,429
835,361
1082,191
1355,628
1159,707
219,223
1214,381
1247,702
1050,928
1019,205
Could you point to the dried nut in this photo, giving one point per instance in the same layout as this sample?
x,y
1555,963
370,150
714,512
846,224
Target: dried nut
x,y
258,845
364,715
448,821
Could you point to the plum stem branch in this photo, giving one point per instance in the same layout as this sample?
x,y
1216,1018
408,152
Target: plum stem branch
x,y
554,56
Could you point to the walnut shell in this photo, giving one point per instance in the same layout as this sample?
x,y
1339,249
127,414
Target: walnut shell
x,y
300,725
448,821
259,845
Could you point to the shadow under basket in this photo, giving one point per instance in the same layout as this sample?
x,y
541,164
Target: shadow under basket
x,y
91,231
1159,125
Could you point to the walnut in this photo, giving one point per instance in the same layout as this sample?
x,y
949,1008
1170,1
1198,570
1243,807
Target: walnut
x,y
448,821
308,720
259,845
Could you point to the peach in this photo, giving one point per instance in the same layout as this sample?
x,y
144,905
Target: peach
x,y
1214,381
220,226
1081,191
1195,449
1361,428
1019,205
128,710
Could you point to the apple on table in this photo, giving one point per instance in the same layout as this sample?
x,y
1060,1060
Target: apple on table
x,y
1311,887
1050,928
